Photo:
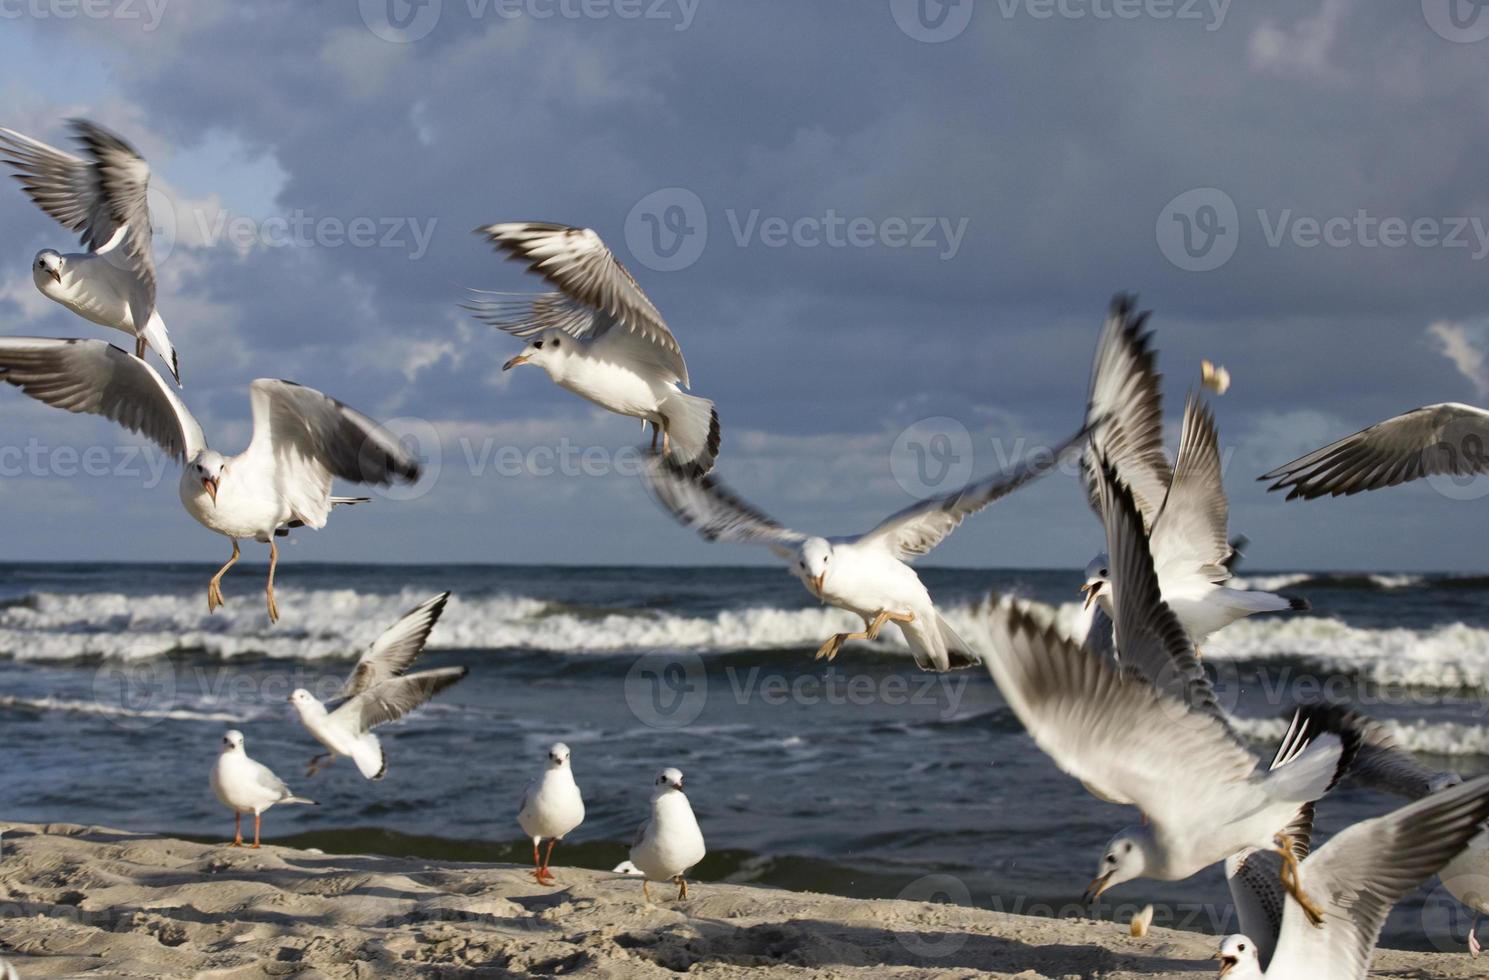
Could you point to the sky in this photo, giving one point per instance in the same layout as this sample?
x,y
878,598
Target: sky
x,y
884,231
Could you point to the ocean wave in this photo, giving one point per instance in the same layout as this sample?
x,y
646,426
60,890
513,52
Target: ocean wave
x,y
98,707
1445,739
1341,580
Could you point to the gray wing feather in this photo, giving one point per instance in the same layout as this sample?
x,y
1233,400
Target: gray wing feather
x,y
1190,530
1254,878
292,420
394,652
709,507
392,699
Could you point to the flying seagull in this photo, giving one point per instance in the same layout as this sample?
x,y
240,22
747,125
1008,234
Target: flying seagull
x,y
1184,507
669,843
245,786
599,336
103,199
550,808
1359,876
378,691
301,440
1436,440
867,574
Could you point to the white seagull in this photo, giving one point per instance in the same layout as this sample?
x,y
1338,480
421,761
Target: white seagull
x,y
1149,733
669,844
1359,876
550,808
301,440
599,336
378,691
246,786
1436,440
867,574
1184,507
103,198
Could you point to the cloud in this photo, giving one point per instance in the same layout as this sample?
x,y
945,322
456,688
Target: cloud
x,y
1301,50
1465,346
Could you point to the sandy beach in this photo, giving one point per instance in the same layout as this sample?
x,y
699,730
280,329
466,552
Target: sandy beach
x,y
87,901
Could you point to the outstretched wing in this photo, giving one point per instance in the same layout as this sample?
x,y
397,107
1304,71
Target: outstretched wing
x,y
98,378
1189,534
393,653
1446,439
709,507
596,292
392,699
918,528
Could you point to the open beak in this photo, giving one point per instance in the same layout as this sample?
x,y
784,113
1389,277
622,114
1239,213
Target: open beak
x,y
210,485
1095,888
1090,589
1227,963
519,359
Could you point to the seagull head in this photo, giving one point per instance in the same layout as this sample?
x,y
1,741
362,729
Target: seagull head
x,y
1126,858
667,781
812,560
207,468
48,266
546,351
1098,587
302,699
232,741
1238,957
558,756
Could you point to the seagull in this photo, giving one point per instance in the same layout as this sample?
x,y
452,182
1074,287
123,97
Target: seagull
x,y
867,574
1149,732
669,844
599,336
8,972
1448,439
1466,878
1184,508
550,808
103,198
1359,876
377,692
246,786
301,439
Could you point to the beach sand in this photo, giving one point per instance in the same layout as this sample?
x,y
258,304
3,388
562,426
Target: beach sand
x,y
106,903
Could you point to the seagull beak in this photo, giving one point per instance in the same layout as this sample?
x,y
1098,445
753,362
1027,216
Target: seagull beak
x,y
817,581
1090,589
56,275
1227,963
519,359
210,485
1095,888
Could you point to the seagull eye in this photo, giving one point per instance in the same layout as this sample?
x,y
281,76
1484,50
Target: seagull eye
x,y
555,344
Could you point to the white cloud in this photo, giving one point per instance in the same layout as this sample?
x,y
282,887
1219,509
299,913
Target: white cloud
x,y
1464,345
1302,49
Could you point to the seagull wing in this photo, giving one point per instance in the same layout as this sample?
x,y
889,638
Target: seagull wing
x,y
590,277
918,528
1360,875
709,507
392,699
1448,439
102,198
100,379
305,438
1189,534
1380,764
1126,397
1116,733
393,653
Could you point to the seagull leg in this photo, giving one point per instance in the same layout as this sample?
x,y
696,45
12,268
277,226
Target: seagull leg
x,y
1289,876
682,887
316,764
237,829
257,817
655,431
214,587
273,563
139,347
645,889
548,878
1473,939
666,442
834,643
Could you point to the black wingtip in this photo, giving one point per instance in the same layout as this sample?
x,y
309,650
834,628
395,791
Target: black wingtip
x,y
1342,721
1298,603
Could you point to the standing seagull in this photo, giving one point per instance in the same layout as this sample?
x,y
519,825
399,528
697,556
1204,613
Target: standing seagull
x,y
669,844
103,198
1359,876
246,786
867,574
599,336
378,691
1436,440
301,439
550,808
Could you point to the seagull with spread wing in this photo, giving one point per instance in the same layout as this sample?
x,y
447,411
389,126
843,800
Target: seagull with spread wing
x,y
378,691
1436,440
1183,506
103,199
867,574
599,336
301,440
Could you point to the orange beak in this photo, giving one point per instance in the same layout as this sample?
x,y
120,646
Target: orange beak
x,y
817,583
1090,589
1094,890
210,485
519,359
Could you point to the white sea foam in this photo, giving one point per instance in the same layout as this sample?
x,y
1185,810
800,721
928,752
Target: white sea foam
x,y
67,706
1429,738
